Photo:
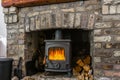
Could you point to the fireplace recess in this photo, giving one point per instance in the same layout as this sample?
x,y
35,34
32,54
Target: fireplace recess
x,y
58,54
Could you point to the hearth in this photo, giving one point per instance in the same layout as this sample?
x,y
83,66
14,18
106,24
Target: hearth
x,y
58,54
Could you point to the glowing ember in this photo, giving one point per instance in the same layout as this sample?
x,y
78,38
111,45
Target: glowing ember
x,y
56,54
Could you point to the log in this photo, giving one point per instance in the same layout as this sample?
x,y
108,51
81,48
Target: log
x,y
80,63
86,68
87,60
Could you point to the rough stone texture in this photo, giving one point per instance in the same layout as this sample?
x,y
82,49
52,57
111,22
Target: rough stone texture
x,y
105,9
97,59
102,39
103,25
112,9
118,9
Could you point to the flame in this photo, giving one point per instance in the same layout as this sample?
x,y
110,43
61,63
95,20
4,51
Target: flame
x,y
56,54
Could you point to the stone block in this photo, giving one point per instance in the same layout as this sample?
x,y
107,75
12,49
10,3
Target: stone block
x,y
104,78
6,19
6,10
112,73
43,21
37,22
118,9
116,53
12,31
104,66
84,21
104,53
32,23
102,38
58,20
117,24
98,72
116,2
10,19
110,17
27,24
117,67
80,9
22,23
107,1
103,25
46,12
105,9
97,32
117,38
32,14
68,20
98,45
112,9
91,21
15,18
77,20
13,10
12,26
97,59
68,10
71,20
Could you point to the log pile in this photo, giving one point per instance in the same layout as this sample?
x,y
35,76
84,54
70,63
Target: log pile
x,y
82,68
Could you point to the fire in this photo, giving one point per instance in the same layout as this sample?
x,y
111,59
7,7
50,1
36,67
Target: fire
x,y
56,54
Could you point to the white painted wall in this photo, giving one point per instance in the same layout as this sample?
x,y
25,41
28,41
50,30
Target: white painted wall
x,y
3,34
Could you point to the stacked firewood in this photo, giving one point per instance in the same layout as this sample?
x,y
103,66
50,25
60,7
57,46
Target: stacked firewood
x,y
82,68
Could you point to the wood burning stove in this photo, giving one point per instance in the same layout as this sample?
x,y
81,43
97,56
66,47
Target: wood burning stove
x,y
58,54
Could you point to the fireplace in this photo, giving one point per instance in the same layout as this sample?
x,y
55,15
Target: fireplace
x,y
58,54
100,18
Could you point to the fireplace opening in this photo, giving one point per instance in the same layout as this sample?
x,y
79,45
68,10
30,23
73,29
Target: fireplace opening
x,y
68,51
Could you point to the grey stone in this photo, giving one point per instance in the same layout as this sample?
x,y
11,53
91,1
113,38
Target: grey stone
x,y
12,10
107,1
37,22
10,18
71,20
68,10
118,9
32,14
84,21
97,59
68,20
102,38
117,53
117,38
6,10
112,9
105,9
111,17
104,78
27,24
6,19
91,21
15,18
77,20
43,21
97,32
80,9
103,25
48,21
22,23
32,23
98,45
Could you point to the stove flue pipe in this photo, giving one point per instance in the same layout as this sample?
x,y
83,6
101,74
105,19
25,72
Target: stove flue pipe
x,y
58,34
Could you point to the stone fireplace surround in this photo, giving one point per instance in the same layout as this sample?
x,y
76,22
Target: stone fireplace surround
x,y
102,17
